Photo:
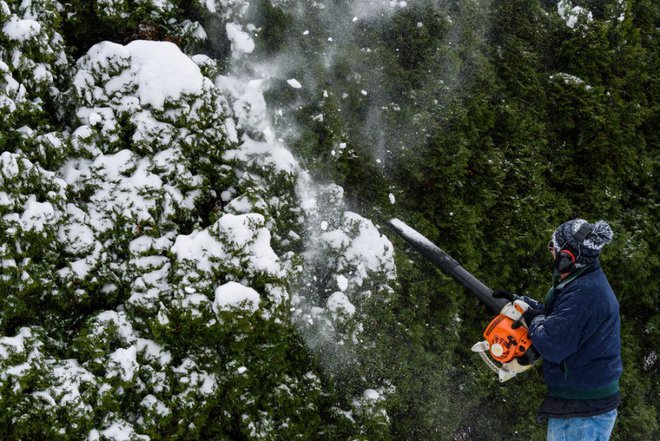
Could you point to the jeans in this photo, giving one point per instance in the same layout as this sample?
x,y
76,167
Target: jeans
x,y
595,428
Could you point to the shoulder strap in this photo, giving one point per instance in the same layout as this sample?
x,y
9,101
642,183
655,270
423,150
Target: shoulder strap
x,y
570,278
582,233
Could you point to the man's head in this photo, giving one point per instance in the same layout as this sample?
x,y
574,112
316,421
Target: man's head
x,y
586,249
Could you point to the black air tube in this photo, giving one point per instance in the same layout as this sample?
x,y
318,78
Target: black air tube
x,y
447,264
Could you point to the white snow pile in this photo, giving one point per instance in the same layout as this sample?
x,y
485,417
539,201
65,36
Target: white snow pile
x,y
234,295
136,82
361,249
31,56
577,17
235,243
294,83
24,211
241,42
338,301
21,29
570,80
573,15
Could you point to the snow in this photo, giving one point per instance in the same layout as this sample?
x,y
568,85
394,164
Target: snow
x,y
210,5
622,7
372,395
162,5
9,165
80,267
571,14
198,246
195,380
338,301
8,263
233,295
241,43
122,431
570,79
336,239
21,29
392,198
342,282
649,361
10,345
124,363
238,229
70,377
248,103
369,250
37,215
230,129
42,73
294,83
45,397
150,262
153,351
162,72
143,244
18,370
263,154
193,303
151,402
118,319
116,192
243,205
94,118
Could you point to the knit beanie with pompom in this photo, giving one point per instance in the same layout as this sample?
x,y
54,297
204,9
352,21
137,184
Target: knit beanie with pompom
x,y
589,249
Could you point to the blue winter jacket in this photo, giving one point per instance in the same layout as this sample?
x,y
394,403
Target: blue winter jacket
x,y
578,336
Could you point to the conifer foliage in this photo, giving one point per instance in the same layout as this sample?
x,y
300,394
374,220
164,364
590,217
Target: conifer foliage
x,y
191,195
152,233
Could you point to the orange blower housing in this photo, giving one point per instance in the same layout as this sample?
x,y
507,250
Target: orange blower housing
x,y
506,343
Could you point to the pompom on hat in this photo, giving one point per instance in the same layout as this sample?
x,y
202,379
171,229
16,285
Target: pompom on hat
x,y
589,249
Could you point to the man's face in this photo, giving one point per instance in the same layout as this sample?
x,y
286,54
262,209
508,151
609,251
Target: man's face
x,y
551,248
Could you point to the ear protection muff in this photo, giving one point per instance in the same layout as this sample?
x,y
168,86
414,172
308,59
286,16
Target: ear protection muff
x,y
565,259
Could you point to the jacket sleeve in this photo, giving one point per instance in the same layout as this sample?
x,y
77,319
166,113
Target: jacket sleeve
x,y
538,306
558,335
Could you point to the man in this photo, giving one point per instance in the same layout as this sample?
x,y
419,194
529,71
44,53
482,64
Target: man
x,y
577,332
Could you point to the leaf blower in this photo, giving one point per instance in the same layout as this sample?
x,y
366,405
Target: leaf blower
x,y
506,340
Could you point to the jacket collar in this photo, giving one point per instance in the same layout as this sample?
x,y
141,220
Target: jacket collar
x,y
560,284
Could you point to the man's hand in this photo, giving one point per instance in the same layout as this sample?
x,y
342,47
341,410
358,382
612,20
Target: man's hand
x,y
511,297
502,294
528,316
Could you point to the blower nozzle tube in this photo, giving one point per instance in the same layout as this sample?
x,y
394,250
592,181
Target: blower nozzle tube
x,y
447,264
